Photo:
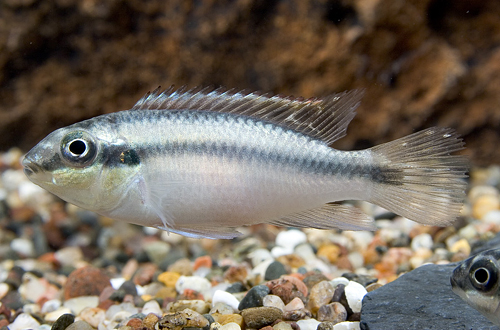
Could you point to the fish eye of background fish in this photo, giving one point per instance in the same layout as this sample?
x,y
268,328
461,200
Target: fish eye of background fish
x,y
483,275
203,162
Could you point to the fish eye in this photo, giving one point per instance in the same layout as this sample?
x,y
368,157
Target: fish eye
x,y
78,149
481,275
484,275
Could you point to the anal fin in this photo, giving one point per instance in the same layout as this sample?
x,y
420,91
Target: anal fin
x,y
205,232
329,216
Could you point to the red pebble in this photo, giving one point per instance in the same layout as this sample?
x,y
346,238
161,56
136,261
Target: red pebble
x,y
135,323
190,294
203,261
86,281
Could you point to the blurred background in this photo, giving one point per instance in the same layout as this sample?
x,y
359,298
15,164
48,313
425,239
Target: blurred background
x,y
421,62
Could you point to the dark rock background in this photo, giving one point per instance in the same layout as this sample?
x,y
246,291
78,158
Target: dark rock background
x,y
422,62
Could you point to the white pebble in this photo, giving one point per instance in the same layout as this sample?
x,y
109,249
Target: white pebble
x,y
24,321
202,272
279,251
4,289
76,305
31,308
347,326
221,286
259,256
92,316
339,280
121,316
152,306
226,298
157,251
290,238
69,256
294,305
310,324
117,282
361,239
230,326
3,194
115,309
478,191
357,260
319,265
492,217
272,300
468,232
27,191
196,283
11,179
53,316
422,241
305,251
51,305
354,293
23,246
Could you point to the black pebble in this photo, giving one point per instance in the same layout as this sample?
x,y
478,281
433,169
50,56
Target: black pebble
x,y
63,322
210,321
254,297
118,295
364,280
337,294
236,287
274,271
129,288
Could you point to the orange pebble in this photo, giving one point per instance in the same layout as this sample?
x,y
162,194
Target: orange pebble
x,y
298,275
203,261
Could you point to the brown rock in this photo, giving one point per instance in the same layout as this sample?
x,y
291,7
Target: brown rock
x,y
314,278
321,294
297,314
334,312
174,321
236,274
150,320
135,323
258,317
287,288
182,267
86,281
144,274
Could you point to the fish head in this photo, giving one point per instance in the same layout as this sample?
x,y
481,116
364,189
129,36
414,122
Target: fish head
x,y
73,163
477,281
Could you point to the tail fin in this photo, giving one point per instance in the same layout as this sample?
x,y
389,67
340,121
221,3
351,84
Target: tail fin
x,y
426,183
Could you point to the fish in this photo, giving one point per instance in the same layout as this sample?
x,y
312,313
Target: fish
x,y
202,162
476,281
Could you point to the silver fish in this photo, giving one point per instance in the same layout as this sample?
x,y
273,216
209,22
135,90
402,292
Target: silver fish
x,y
476,280
204,162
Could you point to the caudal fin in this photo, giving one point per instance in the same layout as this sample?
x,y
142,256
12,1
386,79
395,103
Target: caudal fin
x,y
424,182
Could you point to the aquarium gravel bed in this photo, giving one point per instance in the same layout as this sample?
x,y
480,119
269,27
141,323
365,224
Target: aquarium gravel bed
x,y
62,267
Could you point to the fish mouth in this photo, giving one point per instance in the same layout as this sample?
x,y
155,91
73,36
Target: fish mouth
x,y
453,283
34,171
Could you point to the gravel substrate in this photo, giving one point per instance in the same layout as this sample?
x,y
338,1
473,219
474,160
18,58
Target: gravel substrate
x,y
65,268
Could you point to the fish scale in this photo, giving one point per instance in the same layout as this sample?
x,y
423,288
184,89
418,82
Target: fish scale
x,y
204,162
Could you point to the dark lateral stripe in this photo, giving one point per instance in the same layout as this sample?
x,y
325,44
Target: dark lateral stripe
x,y
327,166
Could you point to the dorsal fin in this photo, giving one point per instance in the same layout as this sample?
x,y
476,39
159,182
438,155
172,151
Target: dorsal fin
x,y
322,118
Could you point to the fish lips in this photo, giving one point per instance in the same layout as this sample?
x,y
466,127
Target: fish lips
x,y
33,171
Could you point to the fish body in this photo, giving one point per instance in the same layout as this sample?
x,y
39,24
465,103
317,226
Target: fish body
x,y
202,163
477,281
